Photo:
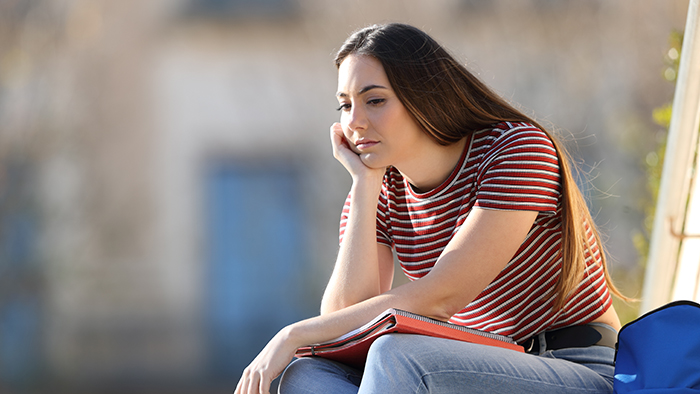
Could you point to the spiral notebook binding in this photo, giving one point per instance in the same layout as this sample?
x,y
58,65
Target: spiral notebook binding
x,y
426,319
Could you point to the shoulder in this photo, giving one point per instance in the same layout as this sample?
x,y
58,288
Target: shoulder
x,y
505,133
518,169
511,138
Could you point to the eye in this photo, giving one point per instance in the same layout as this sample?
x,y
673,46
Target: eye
x,y
343,107
376,101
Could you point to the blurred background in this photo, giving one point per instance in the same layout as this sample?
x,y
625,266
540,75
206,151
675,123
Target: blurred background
x,y
168,197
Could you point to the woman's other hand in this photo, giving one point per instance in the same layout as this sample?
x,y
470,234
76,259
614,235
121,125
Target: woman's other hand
x,y
268,365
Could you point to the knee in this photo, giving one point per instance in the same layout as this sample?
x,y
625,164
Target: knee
x,y
300,369
392,365
388,349
317,375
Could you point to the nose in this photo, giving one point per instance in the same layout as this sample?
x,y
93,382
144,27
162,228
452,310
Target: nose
x,y
356,119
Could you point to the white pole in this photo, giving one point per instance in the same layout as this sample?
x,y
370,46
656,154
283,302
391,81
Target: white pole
x,y
675,177
688,267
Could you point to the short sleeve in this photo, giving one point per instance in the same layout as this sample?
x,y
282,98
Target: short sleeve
x,y
382,219
520,172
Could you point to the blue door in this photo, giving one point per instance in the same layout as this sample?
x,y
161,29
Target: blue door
x,y
21,280
256,259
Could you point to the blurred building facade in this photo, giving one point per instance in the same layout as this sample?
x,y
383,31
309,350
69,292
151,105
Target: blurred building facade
x,y
169,198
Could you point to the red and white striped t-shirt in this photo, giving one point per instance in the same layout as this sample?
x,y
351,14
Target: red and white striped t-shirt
x,y
512,166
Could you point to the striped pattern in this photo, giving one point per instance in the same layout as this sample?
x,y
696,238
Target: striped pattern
x,y
512,166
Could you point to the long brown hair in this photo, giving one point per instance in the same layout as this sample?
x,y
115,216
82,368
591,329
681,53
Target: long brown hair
x,y
450,103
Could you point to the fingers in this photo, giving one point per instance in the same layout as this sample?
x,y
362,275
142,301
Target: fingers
x,y
269,364
342,149
337,139
264,386
242,386
249,384
337,128
253,382
345,152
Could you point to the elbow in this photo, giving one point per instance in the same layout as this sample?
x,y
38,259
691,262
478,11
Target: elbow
x,y
326,309
440,304
443,316
451,304
443,311
441,296
330,306
332,302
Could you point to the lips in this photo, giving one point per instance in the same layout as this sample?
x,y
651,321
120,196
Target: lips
x,y
363,144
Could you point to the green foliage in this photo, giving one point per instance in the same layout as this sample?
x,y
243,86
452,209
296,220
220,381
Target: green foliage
x,y
662,115
673,56
652,165
653,161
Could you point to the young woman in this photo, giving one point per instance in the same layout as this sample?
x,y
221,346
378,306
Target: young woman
x,y
479,204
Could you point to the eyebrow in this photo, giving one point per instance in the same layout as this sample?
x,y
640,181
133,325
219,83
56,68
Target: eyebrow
x,y
363,90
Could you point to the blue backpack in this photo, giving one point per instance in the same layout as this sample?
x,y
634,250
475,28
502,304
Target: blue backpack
x,y
659,353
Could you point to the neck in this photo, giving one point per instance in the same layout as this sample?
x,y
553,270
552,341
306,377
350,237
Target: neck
x,y
433,166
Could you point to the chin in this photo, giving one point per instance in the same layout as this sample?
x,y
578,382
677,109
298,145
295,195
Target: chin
x,y
372,161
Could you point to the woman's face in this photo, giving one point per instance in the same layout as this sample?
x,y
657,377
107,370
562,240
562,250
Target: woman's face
x,y
376,124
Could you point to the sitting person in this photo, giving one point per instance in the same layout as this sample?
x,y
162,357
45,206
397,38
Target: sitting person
x,y
479,204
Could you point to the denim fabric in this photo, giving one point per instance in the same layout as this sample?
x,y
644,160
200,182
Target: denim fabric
x,y
401,363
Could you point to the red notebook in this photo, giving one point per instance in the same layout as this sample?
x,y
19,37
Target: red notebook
x,y
351,348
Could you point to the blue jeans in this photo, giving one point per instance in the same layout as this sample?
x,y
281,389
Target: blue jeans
x,y
401,363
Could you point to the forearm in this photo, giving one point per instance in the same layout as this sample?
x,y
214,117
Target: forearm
x,y
356,275
418,297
